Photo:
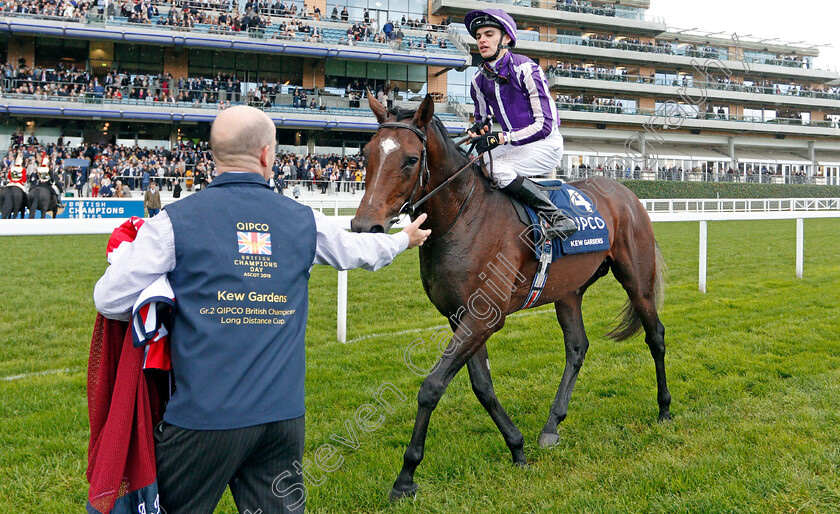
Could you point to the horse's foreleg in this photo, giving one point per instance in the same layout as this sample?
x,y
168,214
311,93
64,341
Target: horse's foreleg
x,y
574,338
482,384
465,342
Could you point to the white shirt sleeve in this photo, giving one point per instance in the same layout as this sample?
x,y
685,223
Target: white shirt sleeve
x,y
344,250
151,255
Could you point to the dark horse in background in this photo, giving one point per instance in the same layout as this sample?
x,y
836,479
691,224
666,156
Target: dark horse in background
x,y
475,226
43,198
13,201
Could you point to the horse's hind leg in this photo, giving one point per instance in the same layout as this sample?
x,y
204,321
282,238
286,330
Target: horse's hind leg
x,y
482,384
642,280
574,337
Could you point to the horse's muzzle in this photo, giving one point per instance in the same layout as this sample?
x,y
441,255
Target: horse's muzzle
x,y
357,225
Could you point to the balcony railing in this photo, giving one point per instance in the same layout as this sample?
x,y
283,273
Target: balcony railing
x,y
214,101
720,86
668,48
673,112
606,10
327,33
691,176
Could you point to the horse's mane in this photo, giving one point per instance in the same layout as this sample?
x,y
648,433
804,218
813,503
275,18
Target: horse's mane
x,y
402,114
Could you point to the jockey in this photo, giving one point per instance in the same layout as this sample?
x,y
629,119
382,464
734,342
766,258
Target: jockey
x,y
17,173
514,90
44,170
45,177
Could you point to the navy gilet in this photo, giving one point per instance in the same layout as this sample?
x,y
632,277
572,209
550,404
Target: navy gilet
x,y
242,260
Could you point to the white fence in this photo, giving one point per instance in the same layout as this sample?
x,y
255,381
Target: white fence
x,y
334,206
808,211
659,217
705,217
741,205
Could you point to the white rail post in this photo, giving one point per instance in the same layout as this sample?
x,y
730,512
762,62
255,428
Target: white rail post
x,y
800,240
341,331
335,211
703,241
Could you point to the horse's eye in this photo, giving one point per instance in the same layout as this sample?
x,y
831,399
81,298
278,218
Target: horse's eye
x,y
411,161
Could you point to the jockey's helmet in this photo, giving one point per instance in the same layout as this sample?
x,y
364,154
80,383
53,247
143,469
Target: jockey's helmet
x,y
497,18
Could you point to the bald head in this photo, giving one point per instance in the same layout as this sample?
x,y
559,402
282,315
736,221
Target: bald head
x,y
239,136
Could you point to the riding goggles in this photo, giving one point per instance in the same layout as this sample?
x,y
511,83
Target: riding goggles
x,y
490,74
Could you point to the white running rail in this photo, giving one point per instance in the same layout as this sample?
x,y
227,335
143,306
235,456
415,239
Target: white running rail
x,y
808,211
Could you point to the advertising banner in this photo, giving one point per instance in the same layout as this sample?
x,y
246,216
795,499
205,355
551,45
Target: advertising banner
x,y
102,208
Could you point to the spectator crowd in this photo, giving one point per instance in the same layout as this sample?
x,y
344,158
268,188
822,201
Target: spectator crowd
x,y
119,171
72,84
73,9
582,6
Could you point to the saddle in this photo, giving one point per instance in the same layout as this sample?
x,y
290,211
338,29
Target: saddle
x,y
547,185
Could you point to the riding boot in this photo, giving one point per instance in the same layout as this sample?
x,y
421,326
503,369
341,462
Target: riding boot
x,y
58,203
555,221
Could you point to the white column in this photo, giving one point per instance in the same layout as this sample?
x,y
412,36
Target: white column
x,y
703,244
800,243
341,332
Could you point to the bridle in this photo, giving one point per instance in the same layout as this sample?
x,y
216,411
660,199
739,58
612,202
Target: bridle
x,y
424,165
409,207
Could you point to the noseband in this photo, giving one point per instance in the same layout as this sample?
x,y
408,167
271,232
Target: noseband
x,y
408,207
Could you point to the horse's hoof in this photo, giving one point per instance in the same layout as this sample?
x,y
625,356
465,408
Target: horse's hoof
x,y
664,416
396,495
548,440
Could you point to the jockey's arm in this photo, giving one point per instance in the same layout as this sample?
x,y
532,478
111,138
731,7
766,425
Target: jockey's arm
x,y
541,104
481,114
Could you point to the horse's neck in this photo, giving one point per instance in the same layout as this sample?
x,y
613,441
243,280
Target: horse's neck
x,y
456,213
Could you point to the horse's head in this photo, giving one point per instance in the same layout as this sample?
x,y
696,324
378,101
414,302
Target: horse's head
x,y
397,167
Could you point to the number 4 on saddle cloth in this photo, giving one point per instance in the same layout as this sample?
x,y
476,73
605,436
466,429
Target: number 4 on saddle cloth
x,y
592,235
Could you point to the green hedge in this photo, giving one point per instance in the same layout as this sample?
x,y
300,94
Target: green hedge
x,y
650,189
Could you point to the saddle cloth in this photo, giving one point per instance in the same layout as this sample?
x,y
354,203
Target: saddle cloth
x,y
593,235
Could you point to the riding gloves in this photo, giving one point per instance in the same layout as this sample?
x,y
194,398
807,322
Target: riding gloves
x,y
478,127
486,142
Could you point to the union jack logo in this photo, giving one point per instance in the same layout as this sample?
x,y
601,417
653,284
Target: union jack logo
x,y
255,243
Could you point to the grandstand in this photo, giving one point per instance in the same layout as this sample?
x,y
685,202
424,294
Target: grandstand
x,y
637,98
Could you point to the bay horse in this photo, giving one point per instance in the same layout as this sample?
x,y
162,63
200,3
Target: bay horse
x,y
475,230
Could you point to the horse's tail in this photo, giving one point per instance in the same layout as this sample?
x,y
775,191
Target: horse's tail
x,y
630,322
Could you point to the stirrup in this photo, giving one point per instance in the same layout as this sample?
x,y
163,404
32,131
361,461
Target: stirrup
x,y
559,225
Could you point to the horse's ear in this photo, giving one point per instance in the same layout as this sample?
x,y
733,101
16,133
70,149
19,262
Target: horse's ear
x,y
378,109
425,112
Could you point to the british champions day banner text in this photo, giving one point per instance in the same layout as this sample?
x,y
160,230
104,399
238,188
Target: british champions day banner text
x,y
104,208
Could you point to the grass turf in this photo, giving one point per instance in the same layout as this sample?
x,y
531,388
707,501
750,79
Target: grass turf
x,y
753,367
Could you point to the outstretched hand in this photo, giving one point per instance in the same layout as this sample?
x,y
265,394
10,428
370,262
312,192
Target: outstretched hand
x,y
416,235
